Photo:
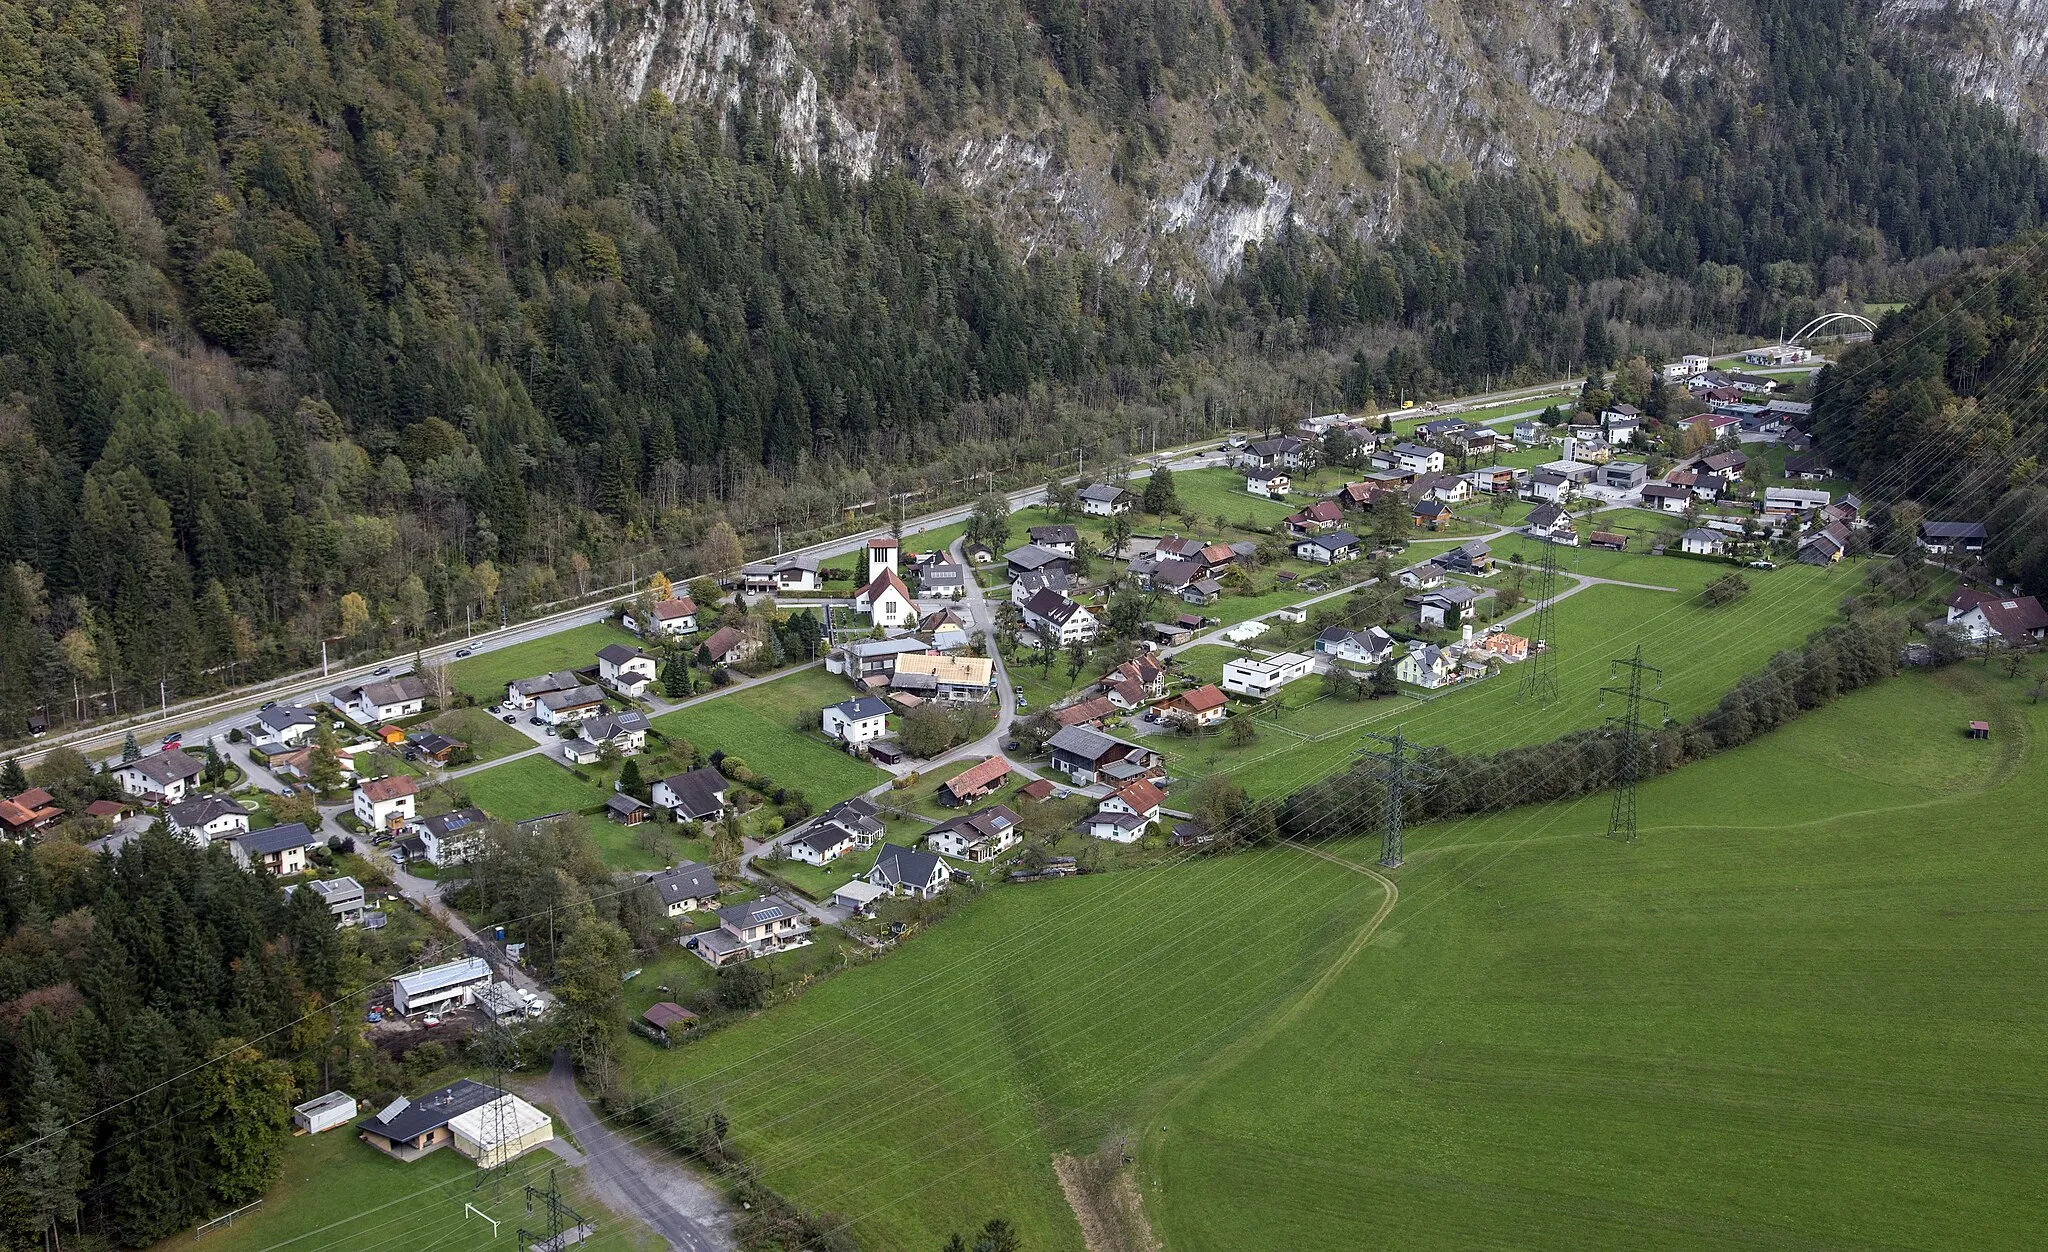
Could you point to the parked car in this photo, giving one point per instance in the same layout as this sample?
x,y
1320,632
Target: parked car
x,y
1023,701
1762,565
511,719
431,1020
536,720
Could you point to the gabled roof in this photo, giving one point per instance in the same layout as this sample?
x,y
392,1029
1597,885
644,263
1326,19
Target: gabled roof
x,y
1334,541
990,822
894,865
442,825
2010,616
962,671
1952,530
282,717
1659,491
1320,511
723,640
200,810
1033,557
1201,699
1545,516
1142,795
978,777
671,609
277,839
1107,493
1052,606
1080,741
620,653
166,767
546,684
404,1119
398,786
1094,708
686,881
887,580
1057,533
861,708
699,792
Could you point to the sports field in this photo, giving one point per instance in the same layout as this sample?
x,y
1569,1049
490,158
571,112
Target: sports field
x,y
1797,1013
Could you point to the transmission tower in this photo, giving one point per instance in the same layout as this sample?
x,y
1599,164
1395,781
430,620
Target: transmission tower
x,y
1539,672
1402,771
561,1218
1621,824
502,1051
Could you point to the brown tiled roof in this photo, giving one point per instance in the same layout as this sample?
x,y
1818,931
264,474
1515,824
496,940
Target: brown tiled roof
x,y
976,778
378,790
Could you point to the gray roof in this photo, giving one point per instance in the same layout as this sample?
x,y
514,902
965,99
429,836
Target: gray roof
x,y
620,653
282,717
1334,541
687,881
1952,530
576,697
408,1119
399,690
941,574
621,803
200,810
1080,741
542,684
1060,533
1108,493
1033,557
698,792
1701,532
277,839
862,707
611,725
337,890
865,648
166,767
757,912
895,865
1051,605
442,825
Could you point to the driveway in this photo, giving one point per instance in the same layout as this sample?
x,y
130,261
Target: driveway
x,y
682,1208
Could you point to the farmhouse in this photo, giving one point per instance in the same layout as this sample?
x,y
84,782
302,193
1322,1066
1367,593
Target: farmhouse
x,y
1104,500
685,888
695,796
385,803
205,818
975,782
1033,559
1980,615
280,849
625,669
1261,677
1942,538
976,837
855,722
908,872
1086,755
161,777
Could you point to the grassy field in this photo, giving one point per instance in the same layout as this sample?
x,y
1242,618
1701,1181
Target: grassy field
x,y
1701,649
487,737
761,726
339,1192
1790,1016
1786,1018
484,676
529,787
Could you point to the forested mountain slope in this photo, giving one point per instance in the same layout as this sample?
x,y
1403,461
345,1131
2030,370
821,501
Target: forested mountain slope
x,y
347,322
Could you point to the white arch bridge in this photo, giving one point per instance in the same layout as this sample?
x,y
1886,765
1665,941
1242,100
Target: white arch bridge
x,y
1827,319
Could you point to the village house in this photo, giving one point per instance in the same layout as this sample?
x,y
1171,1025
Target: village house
x,y
1134,682
1446,607
1474,440
791,573
282,726
1058,620
728,645
1624,475
1321,516
1033,559
1449,488
1273,484
887,601
1025,586
1062,538
480,1122
1430,513
1667,499
624,733
1548,485
161,777
1262,677
697,795
1529,432
909,872
205,818
524,693
1281,452
945,629
385,803
1356,647
870,662
855,722
1092,711
1825,546
1493,480
976,782
32,810
568,708
1205,705
1426,666
1807,469
1104,500
1729,465
450,838
976,837
673,617
1942,538
1330,549
1552,524
1788,502
753,929
938,577
819,843
625,669
1125,815
385,701
961,679
1471,557
343,897
1086,755
282,850
688,887
1980,615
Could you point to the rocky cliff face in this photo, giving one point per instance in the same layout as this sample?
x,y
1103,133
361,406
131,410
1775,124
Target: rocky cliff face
x,y
1455,85
1997,51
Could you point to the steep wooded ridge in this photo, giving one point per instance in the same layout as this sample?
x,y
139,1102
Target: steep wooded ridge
x,y
342,320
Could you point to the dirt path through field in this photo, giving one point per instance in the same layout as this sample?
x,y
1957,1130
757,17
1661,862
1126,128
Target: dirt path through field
x,y
1103,1192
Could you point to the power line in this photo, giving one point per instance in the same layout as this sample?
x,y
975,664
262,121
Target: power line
x,y
561,1219
1400,773
1539,673
1621,824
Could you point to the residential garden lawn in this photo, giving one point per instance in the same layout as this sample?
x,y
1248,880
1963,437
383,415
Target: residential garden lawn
x,y
1210,493
487,737
1481,509
339,1192
1789,1016
1792,1015
530,787
484,676
1702,650
650,845
819,881
760,725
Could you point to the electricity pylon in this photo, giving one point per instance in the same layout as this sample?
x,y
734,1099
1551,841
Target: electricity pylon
x,y
1539,672
1401,773
1621,824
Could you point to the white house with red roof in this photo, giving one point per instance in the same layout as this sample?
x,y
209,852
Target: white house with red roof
x,y
887,600
1980,615
386,803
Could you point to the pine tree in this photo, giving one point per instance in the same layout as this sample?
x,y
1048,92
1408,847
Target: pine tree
x,y
130,750
53,1157
12,781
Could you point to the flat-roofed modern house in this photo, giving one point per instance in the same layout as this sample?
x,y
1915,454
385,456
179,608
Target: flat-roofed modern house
x,y
342,896
442,987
